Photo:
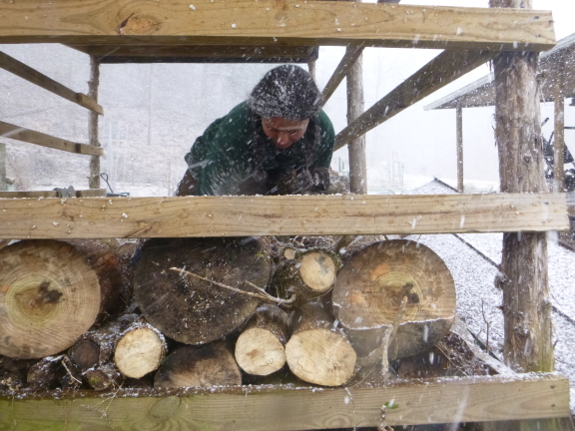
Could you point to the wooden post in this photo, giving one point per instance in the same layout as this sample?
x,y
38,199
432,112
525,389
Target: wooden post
x,y
3,184
312,69
559,142
356,148
459,129
94,179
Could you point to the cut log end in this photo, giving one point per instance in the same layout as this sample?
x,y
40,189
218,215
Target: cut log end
x,y
49,295
259,352
321,356
318,271
139,352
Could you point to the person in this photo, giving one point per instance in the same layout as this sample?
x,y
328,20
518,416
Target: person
x,y
277,142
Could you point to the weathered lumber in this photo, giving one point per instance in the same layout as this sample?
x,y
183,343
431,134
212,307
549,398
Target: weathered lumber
x,y
26,72
443,69
199,366
318,352
394,299
305,275
93,84
140,350
52,292
32,137
259,215
350,57
260,348
189,309
528,343
267,23
459,147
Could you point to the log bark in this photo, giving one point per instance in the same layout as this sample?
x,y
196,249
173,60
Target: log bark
x,y
188,309
13,373
199,366
140,350
52,292
306,274
318,352
260,348
53,372
394,297
526,303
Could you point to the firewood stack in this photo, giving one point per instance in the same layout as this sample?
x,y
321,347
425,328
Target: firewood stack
x,y
212,312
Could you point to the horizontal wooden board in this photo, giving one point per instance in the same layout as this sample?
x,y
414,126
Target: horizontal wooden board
x,y
446,400
26,72
18,133
271,22
110,54
280,215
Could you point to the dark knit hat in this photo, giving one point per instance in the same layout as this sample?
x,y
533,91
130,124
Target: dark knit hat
x,y
288,92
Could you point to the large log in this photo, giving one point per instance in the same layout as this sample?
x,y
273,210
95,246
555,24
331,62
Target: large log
x,y
260,348
394,298
199,366
51,292
318,352
192,310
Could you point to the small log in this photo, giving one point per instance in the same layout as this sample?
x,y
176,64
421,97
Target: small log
x,y
13,373
53,291
104,377
394,297
140,350
306,274
195,311
52,372
260,348
199,366
318,352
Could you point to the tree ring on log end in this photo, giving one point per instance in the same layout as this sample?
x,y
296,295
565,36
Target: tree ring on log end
x,y
318,271
48,297
400,284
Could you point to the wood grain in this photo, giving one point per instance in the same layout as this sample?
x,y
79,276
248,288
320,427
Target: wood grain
x,y
32,137
50,193
269,22
280,215
467,399
29,74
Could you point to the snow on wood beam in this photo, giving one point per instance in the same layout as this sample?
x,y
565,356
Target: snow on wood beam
x,y
280,215
50,193
348,60
26,72
270,22
463,399
442,70
32,137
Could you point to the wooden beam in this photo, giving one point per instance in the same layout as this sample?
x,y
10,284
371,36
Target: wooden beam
x,y
559,139
26,72
3,184
93,84
463,399
352,53
280,215
442,70
25,135
111,54
268,22
459,144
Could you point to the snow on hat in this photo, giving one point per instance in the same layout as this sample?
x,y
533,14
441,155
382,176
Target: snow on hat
x,y
288,92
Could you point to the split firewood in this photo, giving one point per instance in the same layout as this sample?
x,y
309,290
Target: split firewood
x,y
394,298
318,352
199,366
260,348
191,309
306,274
140,350
53,291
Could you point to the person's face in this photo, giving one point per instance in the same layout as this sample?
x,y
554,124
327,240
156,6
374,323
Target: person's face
x,y
282,132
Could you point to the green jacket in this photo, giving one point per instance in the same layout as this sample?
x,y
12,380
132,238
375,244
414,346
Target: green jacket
x,y
234,156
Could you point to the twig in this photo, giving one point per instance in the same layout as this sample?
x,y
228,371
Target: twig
x,y
263,296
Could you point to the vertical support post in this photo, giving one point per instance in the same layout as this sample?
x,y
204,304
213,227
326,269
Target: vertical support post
x,y
3,183
356,148
94,179
559,140
311,65
459,130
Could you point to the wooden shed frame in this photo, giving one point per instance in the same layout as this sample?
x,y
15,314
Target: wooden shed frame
x,y
286,29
